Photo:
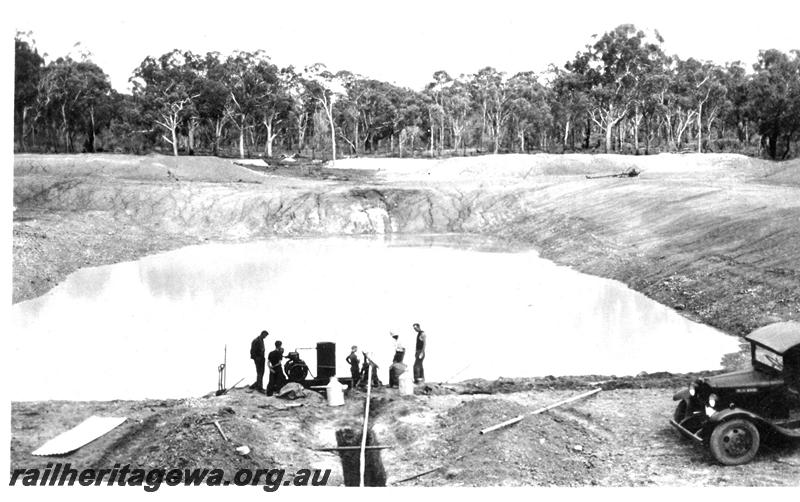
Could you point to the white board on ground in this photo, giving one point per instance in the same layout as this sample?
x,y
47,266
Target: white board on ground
x,y
80,435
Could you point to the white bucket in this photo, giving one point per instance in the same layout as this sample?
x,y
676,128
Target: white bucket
x,y
334,391
406,384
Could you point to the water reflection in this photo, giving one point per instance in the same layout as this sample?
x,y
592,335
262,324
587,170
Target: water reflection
x,y
157,327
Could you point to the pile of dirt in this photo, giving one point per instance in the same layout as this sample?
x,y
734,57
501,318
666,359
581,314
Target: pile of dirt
x,y
658,380
542,450
149,167
522,167
613,438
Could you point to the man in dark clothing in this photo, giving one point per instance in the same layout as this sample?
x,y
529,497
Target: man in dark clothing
x,y
353,361
276,377
419,355
376,381
257,352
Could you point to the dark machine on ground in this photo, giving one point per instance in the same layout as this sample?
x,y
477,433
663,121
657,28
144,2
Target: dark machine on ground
x,y
730,413
297,370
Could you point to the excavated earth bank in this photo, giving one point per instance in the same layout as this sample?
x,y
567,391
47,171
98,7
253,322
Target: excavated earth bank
x,y
714,236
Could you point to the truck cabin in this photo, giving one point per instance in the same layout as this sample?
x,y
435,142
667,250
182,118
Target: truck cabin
x,y
776,348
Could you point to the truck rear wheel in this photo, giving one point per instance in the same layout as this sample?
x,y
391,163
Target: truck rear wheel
x,y
735,442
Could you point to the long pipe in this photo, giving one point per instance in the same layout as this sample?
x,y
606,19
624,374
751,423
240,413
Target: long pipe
x,y
363,457
540,410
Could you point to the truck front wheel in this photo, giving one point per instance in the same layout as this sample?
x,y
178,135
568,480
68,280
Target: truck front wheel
x,y
734,442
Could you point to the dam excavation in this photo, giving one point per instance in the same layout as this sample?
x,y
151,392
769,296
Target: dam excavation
x,y
490,255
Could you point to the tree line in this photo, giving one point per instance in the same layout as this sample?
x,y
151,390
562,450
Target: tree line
x,y
621,93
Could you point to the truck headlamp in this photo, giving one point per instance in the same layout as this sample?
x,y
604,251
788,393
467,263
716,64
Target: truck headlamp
x,y
712,400
692,390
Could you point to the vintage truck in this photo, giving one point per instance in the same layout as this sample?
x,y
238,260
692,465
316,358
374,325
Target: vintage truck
x,y
730,413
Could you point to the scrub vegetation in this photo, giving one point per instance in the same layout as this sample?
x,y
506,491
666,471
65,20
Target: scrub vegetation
x,y
621,93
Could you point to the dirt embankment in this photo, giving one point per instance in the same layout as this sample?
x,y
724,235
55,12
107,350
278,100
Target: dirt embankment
x,y
716,236
614,438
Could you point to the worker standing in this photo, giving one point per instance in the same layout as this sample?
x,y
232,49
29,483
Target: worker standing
x,y
257,352
276,377
399,349
353,361
419,354
397,367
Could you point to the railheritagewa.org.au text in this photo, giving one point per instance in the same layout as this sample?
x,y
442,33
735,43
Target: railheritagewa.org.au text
x,y
152,479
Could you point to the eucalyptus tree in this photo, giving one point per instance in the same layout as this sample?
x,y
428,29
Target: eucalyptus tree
x,y
407,122
69,94
326,89
249,78
615,66
274,102
492,91
211,96
437,112
570,104
774,94
528,108
480,84
164,89
734,111
701,87
28,66
377,111
457,105
302,104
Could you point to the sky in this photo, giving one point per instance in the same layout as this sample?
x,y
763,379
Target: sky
x,y
403,42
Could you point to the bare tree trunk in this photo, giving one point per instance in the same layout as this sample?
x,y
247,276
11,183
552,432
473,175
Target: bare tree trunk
x,y
192,127
218,125
430,117
174,133
355,136
66,128
91,139
329,113
269,124
301,131
441,135
241,140
483,126
22,146
700,128
400,142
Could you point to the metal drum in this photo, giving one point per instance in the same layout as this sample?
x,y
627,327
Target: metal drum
x,y
326,360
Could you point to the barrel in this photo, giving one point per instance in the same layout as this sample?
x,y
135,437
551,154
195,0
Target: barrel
x,y
406,384
335,393
326,360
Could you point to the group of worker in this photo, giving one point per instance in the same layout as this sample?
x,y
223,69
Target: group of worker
x,y
272,361
358,372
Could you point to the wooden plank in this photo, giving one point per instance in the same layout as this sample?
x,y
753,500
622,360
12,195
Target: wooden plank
x,y
219,428
80,435
540,410
363,458
349,448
